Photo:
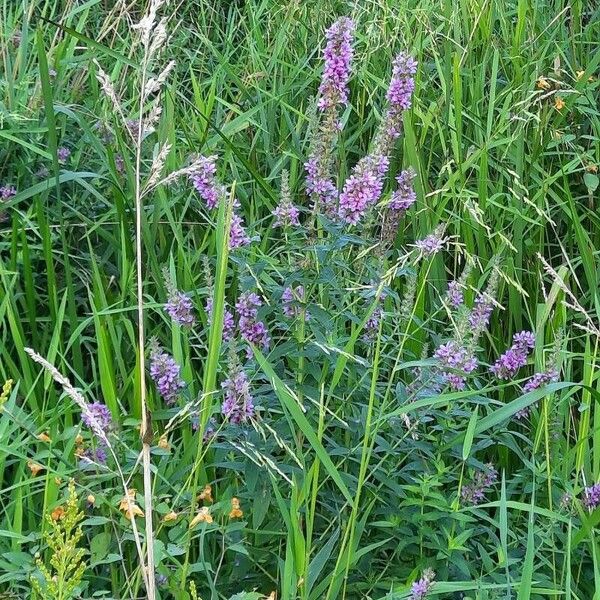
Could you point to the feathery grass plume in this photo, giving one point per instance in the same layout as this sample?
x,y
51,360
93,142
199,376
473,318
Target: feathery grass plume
x,y
67,567
333,94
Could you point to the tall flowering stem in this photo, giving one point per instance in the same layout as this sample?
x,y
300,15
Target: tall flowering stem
x,y
333,94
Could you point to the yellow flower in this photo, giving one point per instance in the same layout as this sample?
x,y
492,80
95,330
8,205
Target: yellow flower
x,y
206,494
91,500
34,467
203,516
543,84
79,439
124,505
163,442
172,516
135,511
6,388
272,596
236,512
44,437
58,513
559,103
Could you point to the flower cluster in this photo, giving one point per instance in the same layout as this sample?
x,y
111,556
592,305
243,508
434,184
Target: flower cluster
x,y
63,154
251,329
453,355
165,374
421,588
228,321
591,496
238,404
454,295
7,192
433,243
179,307
404,196
479,317
237,233
333,92
537,381
289,300
338,57
204,180
363,188
97,414
474,493
515,357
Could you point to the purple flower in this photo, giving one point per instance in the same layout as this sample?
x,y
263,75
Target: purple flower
x,y
238,404
7,191
289,300
63,154
97,415
474,493
420,588
248,304
165,374
454,295
433,243
180,308
338,56
95,455
286,215
535,382
456,357
591,496
515,357
228,322
237,234
404,197
119,163
479,317
363,188
204,180
402,83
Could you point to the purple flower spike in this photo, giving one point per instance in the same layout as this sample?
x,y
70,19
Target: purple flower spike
x,y
456,357
481,313
454,295
237,234
290,299
404,197
97,415
286,215
421,588
433,243
363,188
338,52
591,497
238,404
537,381
474,493
515,357
204,180
165,374
180,308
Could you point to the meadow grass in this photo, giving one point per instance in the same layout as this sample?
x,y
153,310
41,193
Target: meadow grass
x,y
350,485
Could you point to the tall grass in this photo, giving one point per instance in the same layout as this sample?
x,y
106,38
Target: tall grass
x,y
349,486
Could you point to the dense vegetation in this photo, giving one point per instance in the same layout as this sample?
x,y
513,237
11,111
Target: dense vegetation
x,y
274,324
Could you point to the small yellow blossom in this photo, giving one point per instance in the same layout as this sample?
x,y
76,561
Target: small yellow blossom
x,y
124,504
203,516
591,168
91,500
135,511
34,467
79,439
44,437
236,512
559,103
163,442
58,481
206,494
172,516
58,513
543,84
6,388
